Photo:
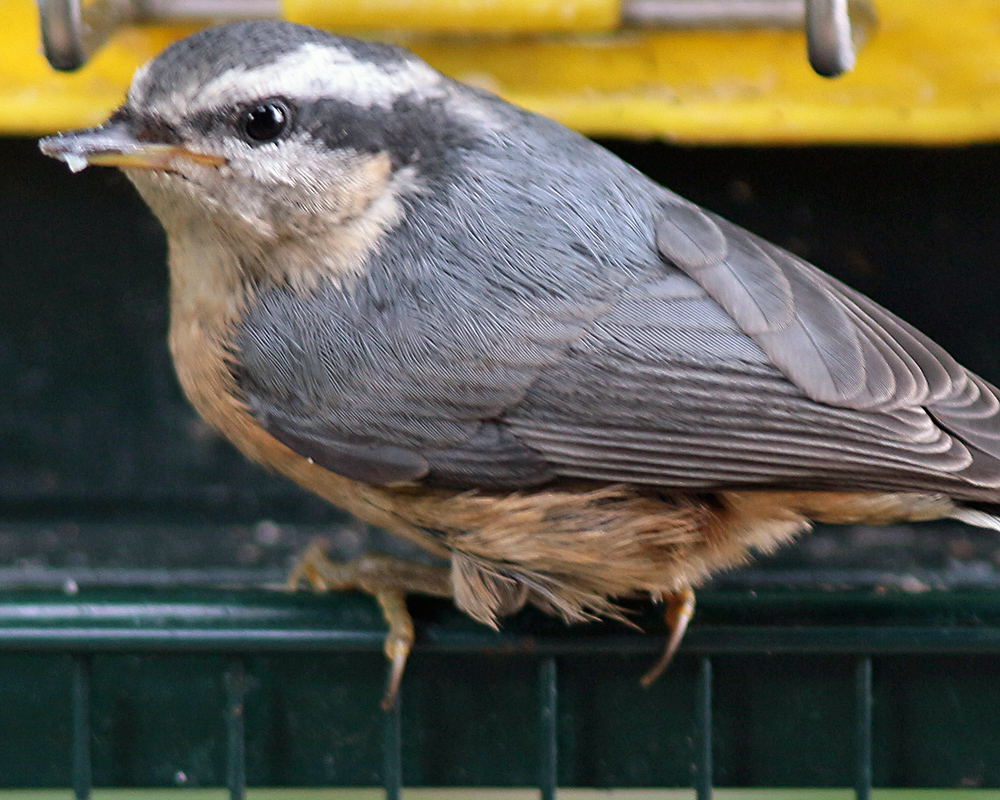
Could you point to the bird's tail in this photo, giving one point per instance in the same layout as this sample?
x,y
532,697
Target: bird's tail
x,y
986,516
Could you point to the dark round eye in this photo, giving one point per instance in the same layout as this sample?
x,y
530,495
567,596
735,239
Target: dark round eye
x,y
265,121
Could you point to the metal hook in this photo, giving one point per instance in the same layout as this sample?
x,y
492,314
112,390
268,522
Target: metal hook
x,y
828,37
71,33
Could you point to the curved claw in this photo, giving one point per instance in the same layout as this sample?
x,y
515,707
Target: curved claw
x,y
397,665
680,609
398,641
305,568
388,580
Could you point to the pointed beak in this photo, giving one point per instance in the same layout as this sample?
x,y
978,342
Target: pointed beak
x,y
117,144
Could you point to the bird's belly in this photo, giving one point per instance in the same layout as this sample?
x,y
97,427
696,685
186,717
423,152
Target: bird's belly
x,y
573,550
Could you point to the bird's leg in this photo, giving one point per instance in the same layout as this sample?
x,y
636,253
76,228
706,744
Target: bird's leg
x,y
680,609
388,580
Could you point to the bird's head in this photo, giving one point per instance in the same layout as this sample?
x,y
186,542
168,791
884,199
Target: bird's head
x,y
270,131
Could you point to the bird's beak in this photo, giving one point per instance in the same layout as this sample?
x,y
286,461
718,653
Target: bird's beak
x,y
116,144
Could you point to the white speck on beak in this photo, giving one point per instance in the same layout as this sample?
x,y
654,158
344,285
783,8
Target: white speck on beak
x,y
74,161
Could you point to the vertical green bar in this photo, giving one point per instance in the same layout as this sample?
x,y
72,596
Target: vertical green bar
x,y
81,727
863,730
236,763
392,750
703,740
548,747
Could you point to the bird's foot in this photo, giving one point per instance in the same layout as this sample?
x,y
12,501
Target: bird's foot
x,y
680,609
388,580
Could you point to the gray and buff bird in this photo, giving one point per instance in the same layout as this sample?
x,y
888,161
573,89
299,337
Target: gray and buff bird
x,y
464,323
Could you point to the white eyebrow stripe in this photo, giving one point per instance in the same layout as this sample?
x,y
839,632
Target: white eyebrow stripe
x,y
311,72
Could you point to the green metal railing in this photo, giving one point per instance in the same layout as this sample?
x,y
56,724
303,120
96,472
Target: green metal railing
x,y
239,628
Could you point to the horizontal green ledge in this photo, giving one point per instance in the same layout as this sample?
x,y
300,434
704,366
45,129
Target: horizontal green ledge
x,y
727,622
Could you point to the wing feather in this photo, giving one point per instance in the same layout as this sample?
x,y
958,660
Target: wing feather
x,y
707,358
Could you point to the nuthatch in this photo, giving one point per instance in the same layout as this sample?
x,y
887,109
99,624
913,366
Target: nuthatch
x,y
464,323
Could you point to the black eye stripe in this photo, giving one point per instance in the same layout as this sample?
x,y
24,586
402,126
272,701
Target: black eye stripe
x,y
413,130
153,129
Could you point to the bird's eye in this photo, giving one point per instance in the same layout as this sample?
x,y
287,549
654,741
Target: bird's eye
x,y
265,122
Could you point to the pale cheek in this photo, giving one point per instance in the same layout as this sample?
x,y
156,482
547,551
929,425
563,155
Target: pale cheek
x,y
269,165
347,191
166,196
310,207
294,191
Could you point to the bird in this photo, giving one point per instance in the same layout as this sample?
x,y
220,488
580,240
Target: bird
x,y
463,322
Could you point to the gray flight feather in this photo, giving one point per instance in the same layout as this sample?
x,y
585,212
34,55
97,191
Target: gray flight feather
x,y
543,310
692,240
